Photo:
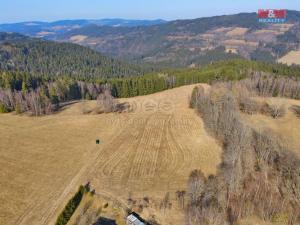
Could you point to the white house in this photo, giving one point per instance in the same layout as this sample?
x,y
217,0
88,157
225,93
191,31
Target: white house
x,y
133,220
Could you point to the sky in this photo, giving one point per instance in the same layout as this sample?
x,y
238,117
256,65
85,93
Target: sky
x,y
50,10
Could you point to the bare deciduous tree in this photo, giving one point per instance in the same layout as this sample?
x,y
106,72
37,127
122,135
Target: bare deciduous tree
x,y
7,100
106,102
249,105
258,175
196,185
181,198
165,204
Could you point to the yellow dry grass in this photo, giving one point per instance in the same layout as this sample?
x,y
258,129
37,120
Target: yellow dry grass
x,y
274,29
78,38
237,42
256,221
231,50
290,58
147,152
237,31
265,31
221,30
287,127
283,27
44,33
207,36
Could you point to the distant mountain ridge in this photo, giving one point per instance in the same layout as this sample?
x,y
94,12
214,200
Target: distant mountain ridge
x,y
178,43
50,29
188,42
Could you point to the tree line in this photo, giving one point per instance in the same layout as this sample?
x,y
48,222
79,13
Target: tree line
x,y
258,176
42,94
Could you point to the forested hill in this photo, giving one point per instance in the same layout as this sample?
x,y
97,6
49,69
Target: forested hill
x,y
187,42
36,56
179,43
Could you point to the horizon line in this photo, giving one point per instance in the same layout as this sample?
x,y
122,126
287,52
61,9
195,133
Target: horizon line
x,y
124,18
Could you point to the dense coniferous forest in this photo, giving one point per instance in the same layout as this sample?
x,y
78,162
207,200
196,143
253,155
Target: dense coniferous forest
x,y
41,94
36,56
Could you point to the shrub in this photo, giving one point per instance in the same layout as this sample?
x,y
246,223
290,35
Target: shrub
x,y
277,111
280,218
3,109
106,102
274,110
249,106
195,93
18,109
295,109
55,102
70,208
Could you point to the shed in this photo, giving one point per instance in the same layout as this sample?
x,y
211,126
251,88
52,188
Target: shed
x,y
133,220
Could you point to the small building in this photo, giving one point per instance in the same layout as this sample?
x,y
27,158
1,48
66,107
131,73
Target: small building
x,y
133,219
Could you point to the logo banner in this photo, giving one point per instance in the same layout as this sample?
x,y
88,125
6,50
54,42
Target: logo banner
x,y
271,15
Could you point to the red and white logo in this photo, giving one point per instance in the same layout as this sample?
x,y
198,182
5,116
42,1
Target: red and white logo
x,y
271,15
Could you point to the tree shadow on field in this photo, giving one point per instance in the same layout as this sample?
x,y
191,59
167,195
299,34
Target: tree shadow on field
x,y
105,221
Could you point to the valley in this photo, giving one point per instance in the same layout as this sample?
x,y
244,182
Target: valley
x,y
193,119
178,43
185,43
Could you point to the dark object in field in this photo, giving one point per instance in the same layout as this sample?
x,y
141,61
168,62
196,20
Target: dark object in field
x,y
105,221
97,142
